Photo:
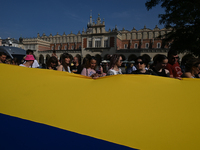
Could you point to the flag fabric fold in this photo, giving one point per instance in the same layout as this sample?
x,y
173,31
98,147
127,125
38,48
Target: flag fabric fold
x,y
114,112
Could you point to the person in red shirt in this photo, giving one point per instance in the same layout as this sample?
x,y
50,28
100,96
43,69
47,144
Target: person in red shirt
x,y
173,65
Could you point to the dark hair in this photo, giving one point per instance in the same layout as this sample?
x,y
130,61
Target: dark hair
x,y
143,60
15,60
159,58
29,52
52,59
193,62
3,53
62,60
88,61
113,61
9,60
185,58
172,52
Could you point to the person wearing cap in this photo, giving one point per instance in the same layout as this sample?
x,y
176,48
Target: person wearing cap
x,y
29,61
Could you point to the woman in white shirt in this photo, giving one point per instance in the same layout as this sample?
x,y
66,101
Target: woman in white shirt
x,y
65,63
115,63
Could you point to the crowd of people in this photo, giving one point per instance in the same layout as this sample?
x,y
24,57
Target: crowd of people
x,y
165,66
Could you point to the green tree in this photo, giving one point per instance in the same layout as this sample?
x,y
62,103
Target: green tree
x,y
183,16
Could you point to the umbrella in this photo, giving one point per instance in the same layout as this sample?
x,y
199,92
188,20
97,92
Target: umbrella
x,y
125,61
105,61
131,62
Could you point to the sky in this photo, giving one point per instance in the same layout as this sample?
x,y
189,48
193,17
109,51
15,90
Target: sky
x,y
26,18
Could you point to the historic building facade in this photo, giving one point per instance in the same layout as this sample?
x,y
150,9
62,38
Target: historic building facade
x,y
96,41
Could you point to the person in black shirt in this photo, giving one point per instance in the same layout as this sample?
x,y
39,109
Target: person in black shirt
x,y
76,67
52,63
160,63
141,63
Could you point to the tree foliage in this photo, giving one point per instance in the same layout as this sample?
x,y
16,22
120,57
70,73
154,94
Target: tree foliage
x,y
183,16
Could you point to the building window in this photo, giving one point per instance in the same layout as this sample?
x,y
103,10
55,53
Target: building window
x,y
72,47
58,47
105,43
79,47
65,47
158,45
33,47
125,46
89,43
136,45
52,47
98,42
146,45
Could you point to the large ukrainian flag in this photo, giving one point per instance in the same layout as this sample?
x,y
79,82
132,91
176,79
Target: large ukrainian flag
x,y
46,109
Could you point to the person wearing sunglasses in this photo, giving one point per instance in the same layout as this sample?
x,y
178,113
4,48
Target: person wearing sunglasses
x,y
173,65
141,63
192,68
115,63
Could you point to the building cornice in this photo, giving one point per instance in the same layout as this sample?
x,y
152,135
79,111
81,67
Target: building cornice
x,y
156,50
60,51
97,49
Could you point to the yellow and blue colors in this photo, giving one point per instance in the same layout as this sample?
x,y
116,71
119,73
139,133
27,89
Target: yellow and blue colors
x,y
46,109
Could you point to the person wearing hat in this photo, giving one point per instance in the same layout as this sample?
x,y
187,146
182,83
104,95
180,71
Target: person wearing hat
x,y
29,61
35,63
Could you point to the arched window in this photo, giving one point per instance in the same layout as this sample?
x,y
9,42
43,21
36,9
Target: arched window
x,y
146,45
158,45
136,45
170,45
125,46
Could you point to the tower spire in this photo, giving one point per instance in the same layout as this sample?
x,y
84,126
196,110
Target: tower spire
x,y
90,16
